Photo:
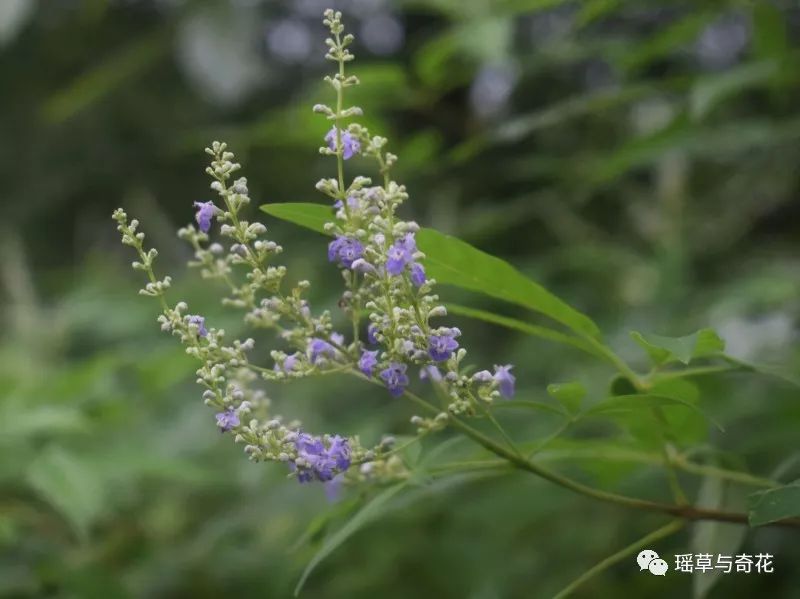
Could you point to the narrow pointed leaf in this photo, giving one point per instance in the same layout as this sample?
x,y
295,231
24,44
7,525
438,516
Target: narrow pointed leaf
x,y
455,262
365,515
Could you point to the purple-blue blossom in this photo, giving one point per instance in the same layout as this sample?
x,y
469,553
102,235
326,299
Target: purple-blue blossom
x,y
505,380
319,348
400,254
417,274
227,420
321,462
484,376
395,378
289,363
345,251
352,203
441,347
201,324
205,212
367,362
333,488
350,145
430,373
372,329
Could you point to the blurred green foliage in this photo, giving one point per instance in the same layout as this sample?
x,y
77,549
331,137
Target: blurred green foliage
x,y
640,159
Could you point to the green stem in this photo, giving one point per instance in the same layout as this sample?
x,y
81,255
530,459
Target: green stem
x,y
337,120
618,363
620,555
672,476
544,442
731,475
470,465
506,437
688,512
688,372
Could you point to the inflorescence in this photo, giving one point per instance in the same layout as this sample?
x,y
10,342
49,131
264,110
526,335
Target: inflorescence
x,y
388,299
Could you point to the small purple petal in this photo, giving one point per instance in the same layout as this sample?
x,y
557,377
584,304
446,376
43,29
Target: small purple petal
x,y
506,380
201,324
430,373
371,330
441,347
205,212
367,362
227,420
418,274
350,145
395,378
333,488
345,251
319,348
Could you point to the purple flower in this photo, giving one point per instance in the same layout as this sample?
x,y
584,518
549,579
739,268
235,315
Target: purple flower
x,y
201,324
227,420
205,212
322,462
363,267
400,254
350,144
441,347
352,203
367,362
395,378
430,373
339,452
345,251
289,363
333,488
506,380
417,274
484,376
318,348
396,260
371,330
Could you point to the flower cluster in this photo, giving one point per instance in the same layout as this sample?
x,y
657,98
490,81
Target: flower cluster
x,y
388,298
383,267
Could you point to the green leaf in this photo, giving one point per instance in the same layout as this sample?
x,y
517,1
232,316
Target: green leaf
x,y
455,262
569,394
70,486
523,327
412,448
774,504
46,419
622,385
365,515
527,6
724,141
524,404
712,89
715,537
631,403
320,523
116,71
520,127
661,350
310,216
669,39
592,10
778,372
769,31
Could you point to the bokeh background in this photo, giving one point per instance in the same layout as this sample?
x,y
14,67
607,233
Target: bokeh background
x,y
641,159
